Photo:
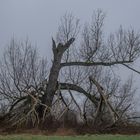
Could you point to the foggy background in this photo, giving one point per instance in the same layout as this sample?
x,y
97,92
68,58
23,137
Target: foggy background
x,y
38,20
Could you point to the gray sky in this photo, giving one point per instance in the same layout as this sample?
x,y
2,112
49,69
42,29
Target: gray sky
x,y
38,19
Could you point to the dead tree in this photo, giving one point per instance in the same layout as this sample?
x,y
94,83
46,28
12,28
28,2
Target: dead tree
x,y
23,69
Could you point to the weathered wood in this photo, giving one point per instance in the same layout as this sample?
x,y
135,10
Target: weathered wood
x,y
112,111
54,72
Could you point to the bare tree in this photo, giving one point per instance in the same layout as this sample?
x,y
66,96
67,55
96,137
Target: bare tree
x,y
24,82
22,71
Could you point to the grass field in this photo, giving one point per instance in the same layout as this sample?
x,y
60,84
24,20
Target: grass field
x,y
94,137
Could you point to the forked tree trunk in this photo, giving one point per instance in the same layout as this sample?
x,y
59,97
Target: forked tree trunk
x,y
58,52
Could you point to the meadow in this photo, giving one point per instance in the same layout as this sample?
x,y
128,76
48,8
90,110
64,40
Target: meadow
x,y
86,137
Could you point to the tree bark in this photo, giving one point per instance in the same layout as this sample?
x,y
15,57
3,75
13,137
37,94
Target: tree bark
x,y
58,52
112,111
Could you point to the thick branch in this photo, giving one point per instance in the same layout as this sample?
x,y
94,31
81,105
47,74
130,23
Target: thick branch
x,y
113,113
14,104
98,110
54,72
94,63
67,86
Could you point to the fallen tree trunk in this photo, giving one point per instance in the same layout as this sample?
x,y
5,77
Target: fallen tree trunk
x,y
113,113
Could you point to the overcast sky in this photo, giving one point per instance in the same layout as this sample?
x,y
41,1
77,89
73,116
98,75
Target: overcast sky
x,y
38,19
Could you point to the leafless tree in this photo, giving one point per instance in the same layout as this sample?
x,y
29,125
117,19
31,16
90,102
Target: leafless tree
x,y
22,72
24,82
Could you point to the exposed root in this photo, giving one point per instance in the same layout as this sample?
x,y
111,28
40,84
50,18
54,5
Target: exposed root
x,y
25,112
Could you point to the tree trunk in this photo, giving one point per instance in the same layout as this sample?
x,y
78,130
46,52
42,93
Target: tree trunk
x,y
54,73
